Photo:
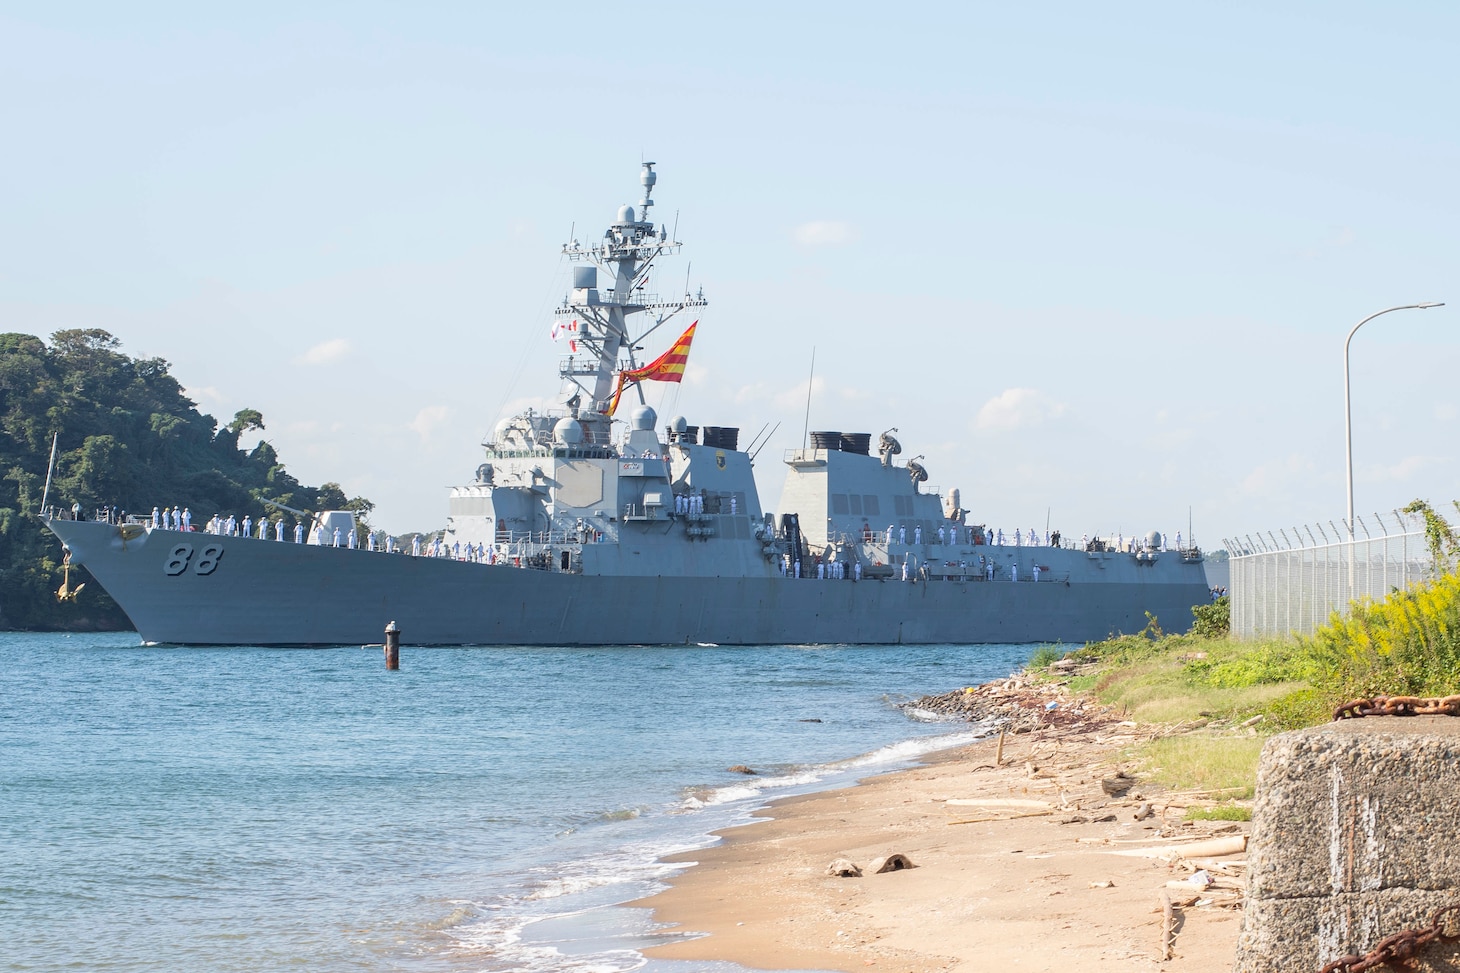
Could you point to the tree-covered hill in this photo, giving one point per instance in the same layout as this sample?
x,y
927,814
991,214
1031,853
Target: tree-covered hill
x,y
127,438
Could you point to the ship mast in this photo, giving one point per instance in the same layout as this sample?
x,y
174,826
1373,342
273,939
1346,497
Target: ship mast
x,y
605,323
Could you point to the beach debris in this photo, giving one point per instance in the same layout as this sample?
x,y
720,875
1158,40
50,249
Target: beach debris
x,y
998,802
1143,812
1198,881
1168,927
1106,884
1117,785
894,862
844,868
741,769
1211,847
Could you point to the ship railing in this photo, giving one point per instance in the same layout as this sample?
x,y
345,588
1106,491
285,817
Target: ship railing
x,y
578,365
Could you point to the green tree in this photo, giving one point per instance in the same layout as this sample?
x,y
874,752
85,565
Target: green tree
x,y
127,437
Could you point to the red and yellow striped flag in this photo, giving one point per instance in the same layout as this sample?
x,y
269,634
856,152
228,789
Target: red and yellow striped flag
x,y
668,367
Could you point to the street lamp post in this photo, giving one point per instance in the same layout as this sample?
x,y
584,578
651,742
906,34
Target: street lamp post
x,y
1348,412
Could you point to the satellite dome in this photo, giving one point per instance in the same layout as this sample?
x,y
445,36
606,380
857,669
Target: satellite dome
x,y
626,214
679,423
568,432
643,417
1153,540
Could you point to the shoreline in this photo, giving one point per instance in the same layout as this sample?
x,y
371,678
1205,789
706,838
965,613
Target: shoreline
x,y
1014,862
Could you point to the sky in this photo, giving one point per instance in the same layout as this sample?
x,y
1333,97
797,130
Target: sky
x,y
1095,263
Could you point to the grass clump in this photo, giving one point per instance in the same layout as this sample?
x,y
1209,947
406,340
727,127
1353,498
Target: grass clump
x,y
1222,812
1221,766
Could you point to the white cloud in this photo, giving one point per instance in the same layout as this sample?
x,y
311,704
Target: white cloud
x,y
428,419
325,352
1279,477
207,393
795,397
825,233
1399,472
1017,408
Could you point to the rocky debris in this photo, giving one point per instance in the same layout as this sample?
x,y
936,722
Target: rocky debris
x,y
890,863
844,868
1117,786
1017,705
741,769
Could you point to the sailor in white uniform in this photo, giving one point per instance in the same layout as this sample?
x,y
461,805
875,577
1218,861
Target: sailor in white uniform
x,y
187,519
279,529
156,518
353,541
918,534
940,534
298,532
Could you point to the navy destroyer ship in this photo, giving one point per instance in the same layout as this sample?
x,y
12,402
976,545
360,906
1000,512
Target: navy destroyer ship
x,y
582,528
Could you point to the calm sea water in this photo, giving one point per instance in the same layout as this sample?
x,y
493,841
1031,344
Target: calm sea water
x,y
483,809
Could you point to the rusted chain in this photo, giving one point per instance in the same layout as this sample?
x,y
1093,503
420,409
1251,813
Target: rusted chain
x,y
1401,949
1399,706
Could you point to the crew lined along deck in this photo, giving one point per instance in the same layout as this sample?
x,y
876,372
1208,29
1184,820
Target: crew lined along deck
x,y
894,553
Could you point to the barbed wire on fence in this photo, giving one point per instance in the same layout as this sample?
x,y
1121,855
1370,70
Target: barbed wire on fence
x,y
1292,580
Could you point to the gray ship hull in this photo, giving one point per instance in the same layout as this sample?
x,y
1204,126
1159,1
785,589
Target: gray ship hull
x,y
271,593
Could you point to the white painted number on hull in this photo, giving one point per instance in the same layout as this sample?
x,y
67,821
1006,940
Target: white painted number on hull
x,y
178,558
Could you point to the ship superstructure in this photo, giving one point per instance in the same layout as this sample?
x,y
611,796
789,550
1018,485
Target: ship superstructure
x,y
593,523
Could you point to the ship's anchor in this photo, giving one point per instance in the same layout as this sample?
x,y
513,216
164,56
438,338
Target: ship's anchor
x,y
66,592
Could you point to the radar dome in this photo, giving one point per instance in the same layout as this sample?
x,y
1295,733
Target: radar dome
x,y
626,214
643,417
679,423
1153,540
568,431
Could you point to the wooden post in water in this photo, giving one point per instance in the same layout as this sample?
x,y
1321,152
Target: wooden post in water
x,y
392,646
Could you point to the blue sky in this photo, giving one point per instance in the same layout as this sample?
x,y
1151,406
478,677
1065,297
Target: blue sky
x,y
1092,262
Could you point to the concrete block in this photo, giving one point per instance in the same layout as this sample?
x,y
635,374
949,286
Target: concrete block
x,y
1356,835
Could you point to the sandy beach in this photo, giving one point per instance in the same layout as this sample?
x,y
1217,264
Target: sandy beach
x,y
1016,865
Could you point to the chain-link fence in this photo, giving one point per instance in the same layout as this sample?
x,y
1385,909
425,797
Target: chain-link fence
x,y
1293,580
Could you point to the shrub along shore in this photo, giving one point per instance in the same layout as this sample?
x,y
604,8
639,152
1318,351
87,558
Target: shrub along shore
x,y
1224,696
